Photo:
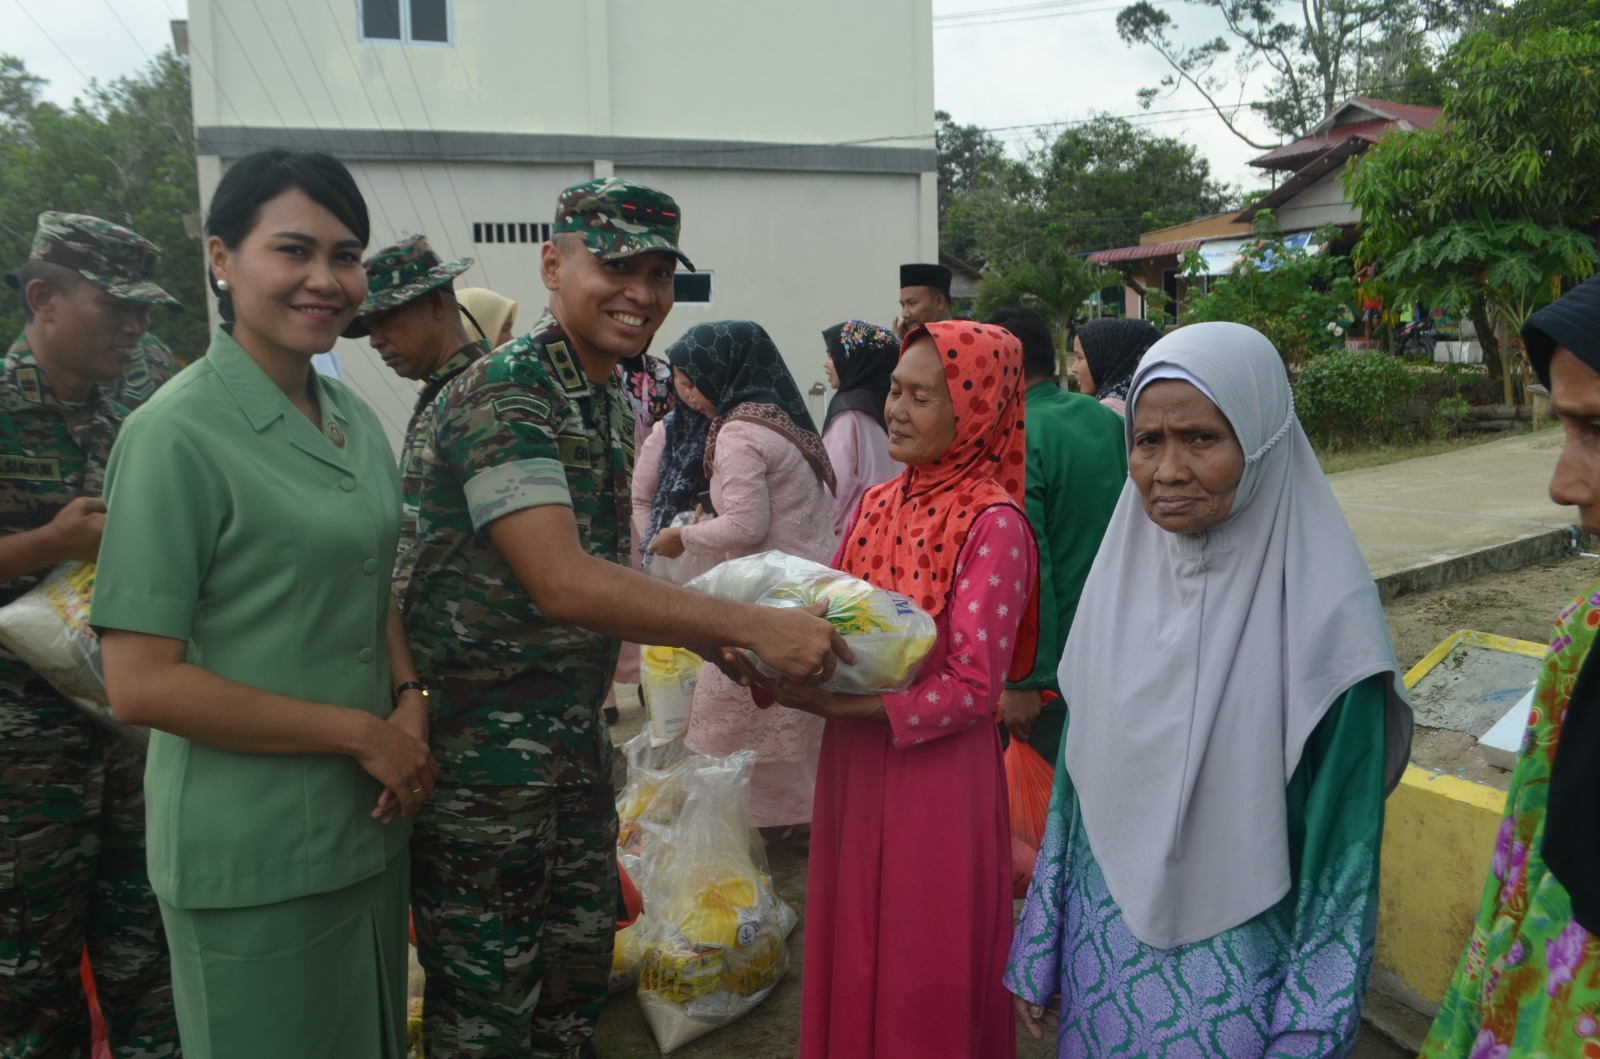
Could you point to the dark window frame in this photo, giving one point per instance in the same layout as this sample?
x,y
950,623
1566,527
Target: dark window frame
x,y
705,276
405,35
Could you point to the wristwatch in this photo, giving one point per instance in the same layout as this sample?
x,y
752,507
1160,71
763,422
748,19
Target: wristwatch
x,y
410,685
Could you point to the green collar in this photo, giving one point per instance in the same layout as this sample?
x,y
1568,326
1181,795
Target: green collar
x,y
259,397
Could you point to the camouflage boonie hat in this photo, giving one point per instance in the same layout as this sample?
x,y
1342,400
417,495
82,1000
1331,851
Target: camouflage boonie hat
x,y
400,273
618,218
118,260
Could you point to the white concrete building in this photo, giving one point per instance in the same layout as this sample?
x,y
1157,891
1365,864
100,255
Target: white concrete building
x,y
798,139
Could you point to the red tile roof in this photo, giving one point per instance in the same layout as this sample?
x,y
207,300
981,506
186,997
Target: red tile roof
x,y
1329,133
1412,113
1143,253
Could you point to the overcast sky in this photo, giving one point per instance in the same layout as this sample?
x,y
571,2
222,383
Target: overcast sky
x,y
1030,61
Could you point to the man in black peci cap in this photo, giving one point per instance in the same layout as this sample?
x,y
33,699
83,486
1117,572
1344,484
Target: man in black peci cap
x,y
924,296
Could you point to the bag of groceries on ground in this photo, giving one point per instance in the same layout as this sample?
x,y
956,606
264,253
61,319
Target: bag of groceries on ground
x,y
890,635
712,943
647,810
47,627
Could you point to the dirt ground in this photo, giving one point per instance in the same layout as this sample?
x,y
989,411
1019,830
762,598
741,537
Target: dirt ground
x,y
1521,604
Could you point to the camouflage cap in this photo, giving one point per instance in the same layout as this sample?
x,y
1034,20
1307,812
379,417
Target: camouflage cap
x,y
400,273
118,260
618,218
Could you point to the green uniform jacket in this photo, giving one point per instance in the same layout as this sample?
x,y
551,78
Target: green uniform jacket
x,y
1077,467
267,545
516,697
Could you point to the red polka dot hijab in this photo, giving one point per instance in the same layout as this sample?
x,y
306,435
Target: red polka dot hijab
x,y
909,530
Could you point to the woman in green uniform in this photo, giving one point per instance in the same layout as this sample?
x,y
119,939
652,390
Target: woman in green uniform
x,y
243,598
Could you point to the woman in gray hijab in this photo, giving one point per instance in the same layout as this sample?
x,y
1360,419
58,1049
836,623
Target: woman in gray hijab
x,y
1209,872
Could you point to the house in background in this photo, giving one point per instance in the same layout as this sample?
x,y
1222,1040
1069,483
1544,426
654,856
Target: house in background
x,y
806,177
1310,195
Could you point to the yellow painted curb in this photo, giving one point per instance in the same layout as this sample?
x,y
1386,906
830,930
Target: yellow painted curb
x,y
1438,843
1472,638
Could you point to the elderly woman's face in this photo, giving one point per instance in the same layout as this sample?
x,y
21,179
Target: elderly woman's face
x,y
919,414
1575,400
1186,461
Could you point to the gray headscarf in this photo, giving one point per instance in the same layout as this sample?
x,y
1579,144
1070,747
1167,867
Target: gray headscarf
x,y
1212,657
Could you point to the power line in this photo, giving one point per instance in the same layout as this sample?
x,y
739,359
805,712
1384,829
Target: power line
x,y
334,104
955,22
449,171
383,74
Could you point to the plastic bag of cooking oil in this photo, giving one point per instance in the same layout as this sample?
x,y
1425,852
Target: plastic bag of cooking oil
x,y
47,627
716,941
667,679
890,635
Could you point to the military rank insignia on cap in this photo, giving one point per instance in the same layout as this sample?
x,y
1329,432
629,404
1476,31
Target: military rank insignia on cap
x,y
618,218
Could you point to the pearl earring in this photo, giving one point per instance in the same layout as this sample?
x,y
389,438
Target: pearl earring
x,y
222,285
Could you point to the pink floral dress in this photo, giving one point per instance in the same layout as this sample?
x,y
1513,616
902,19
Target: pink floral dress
x,y
1529,980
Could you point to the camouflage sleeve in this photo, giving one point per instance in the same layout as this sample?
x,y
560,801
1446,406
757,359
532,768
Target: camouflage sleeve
x,y
501,440
164,512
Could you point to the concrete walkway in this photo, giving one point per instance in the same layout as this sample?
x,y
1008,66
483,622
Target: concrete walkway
x,y
1440,519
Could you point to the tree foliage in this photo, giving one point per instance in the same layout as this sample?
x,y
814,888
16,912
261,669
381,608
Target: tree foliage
x,y
126,153
1485,213
1055,286
1091,186
1291,63
979,186
1296,299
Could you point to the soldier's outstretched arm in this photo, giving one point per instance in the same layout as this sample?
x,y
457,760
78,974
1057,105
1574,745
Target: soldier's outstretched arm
x,y
567,584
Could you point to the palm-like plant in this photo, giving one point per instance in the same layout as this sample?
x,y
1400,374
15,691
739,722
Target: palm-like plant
x,y
1054,286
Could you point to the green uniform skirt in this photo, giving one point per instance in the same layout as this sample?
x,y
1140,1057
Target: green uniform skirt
x,y
318,977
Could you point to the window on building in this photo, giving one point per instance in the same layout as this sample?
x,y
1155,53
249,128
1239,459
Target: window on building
x,y
406,21
693,288
510,232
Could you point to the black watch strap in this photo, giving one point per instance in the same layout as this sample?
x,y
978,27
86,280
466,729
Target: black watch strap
x,y
410,685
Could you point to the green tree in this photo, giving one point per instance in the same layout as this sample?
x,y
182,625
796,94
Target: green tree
x,y
1295,298
980,188
126,153
1291,63
1055,286
1103,183
1488,211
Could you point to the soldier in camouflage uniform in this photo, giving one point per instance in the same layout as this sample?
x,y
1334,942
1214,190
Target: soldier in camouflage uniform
x,y
59,248
414,323
72,858
520,590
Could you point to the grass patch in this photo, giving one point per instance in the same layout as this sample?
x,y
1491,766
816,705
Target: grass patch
x,y
1336,458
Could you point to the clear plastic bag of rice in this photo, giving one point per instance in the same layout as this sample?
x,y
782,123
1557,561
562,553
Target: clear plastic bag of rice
x,y
890,635
47,627
716,940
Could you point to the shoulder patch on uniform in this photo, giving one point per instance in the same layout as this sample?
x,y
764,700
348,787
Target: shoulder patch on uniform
x,y
566,368
28,383
505,407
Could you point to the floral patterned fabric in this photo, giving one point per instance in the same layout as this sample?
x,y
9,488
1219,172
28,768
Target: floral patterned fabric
x,y
1528,983
1289,982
